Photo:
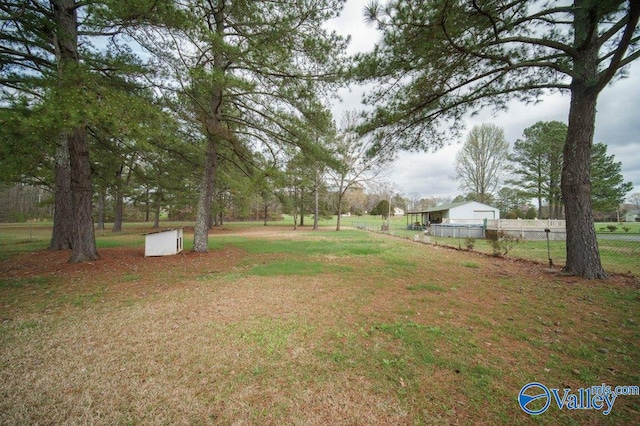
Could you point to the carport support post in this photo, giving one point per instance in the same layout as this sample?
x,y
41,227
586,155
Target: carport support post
x,y
546,231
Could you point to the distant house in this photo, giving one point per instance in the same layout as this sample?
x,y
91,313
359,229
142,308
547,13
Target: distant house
x,y
397,211
632,216
467,212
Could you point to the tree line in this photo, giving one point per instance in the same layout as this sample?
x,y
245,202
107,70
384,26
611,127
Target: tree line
x,y
163,101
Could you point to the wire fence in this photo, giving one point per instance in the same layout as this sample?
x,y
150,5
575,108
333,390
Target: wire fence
x,y
620,249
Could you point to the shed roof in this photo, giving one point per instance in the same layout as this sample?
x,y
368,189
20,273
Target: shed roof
x,y
444,207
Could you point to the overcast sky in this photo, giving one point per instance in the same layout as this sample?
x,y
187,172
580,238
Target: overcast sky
x,y
429,174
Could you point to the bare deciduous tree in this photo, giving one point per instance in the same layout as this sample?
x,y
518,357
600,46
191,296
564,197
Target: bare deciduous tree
x,y
480,163
357,166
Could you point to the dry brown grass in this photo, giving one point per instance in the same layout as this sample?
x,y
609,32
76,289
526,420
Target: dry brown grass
x,y
413,334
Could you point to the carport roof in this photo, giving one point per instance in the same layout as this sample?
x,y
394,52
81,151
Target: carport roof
x,y
441,207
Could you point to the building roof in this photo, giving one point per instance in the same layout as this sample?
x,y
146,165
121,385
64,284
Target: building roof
x,y
444,207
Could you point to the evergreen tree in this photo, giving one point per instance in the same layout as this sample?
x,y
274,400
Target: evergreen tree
x,y
537,164
50,62
608,189
249,73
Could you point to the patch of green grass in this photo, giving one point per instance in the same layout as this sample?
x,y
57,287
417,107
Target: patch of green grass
x,y
471,265
415,337
310,247
296,267
401,261
130,277
270,336
26,282
27,325
426,287
82,299
16,239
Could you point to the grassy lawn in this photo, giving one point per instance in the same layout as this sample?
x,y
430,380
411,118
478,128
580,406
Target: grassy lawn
x,y
621,256
275,326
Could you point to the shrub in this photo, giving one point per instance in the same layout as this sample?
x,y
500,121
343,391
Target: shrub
x,y
611,228
626,228
501,242
469,243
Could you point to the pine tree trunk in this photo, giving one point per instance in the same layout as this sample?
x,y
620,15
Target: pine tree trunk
x,y
119,202
301,207
121,185
214,130
62,234
316,212
266,212
119,211
583,256
539,203
102,196
147,204
84,242
156,220
205,199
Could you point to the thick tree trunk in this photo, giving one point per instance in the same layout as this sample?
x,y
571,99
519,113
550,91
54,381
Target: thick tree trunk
x,y
205,199
583,256
84,241
62,235
214,130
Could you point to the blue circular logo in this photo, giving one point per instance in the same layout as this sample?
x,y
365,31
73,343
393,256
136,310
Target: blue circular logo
x,y
531,396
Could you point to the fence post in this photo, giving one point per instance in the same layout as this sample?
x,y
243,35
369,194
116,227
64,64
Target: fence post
x,y
547,230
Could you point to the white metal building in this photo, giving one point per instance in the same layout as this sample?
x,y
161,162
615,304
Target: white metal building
x,y
466,212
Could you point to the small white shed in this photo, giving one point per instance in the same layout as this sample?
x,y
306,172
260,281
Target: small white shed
x,y
467,212
163,243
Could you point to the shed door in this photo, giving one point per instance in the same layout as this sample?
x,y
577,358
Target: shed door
x,y
484,214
